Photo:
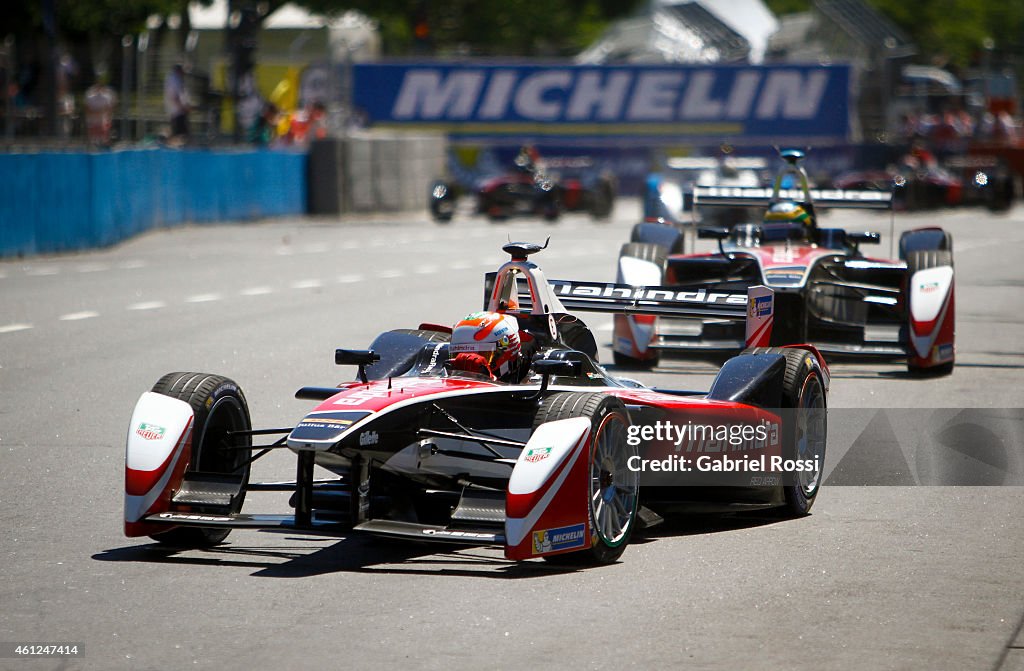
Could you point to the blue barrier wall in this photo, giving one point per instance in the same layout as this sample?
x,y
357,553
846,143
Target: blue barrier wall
x,y
54,202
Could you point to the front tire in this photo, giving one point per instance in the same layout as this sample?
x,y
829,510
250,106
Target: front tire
x,y
218,407
804,434
613,490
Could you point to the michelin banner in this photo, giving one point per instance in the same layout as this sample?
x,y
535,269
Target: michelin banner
x,y
741,103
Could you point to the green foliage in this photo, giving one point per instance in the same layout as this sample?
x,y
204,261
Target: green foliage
x,y
947,32
485,27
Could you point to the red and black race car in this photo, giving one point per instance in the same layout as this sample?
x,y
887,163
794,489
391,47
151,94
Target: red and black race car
x,y
563,459
920,182
535,187
827,291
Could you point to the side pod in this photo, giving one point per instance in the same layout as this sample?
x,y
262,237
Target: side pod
x,y
157,451
546,507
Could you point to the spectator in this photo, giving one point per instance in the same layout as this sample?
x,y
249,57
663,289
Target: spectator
x,y
176,102
100,102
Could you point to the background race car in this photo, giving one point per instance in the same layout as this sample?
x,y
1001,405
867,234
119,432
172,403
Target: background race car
x,y
536,186
827,291
919,181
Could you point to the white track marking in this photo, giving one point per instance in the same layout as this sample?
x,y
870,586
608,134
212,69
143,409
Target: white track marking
x,y
307,284
78,316
426,270
93,267
41,272
132,265
460,265
350,279
11,328
349,244
256,291
147,305
203,298
390,274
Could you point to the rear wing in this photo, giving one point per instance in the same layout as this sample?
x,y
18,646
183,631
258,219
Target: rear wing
x,y
755,306
734,196
711,163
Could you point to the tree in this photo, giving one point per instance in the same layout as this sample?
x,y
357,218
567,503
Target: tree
x,y
484,27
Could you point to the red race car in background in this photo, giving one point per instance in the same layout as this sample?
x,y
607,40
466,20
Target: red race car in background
x,y
535,187
920,181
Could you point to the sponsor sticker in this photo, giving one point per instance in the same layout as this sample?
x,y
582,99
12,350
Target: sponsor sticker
x,y
761,306
368,438
553,540
928,287
537,454
150,431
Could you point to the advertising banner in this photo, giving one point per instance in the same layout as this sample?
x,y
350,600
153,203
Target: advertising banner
x,y
744,104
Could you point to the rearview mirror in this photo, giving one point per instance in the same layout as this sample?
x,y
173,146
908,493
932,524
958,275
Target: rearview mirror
x,y
712,233
356,357
863,238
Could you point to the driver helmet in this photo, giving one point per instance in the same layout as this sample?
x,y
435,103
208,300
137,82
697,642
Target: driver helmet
x,y
787,212
487,343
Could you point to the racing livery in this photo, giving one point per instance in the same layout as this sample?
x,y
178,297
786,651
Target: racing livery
x,y
827,292
543,464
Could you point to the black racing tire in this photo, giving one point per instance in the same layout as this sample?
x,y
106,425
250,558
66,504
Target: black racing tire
x,y
612,516
602,201
218,406
926,240
804,435
645,251
923,260
805,428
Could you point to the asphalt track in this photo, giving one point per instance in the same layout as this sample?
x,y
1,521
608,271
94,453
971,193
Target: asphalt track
x,y
911,558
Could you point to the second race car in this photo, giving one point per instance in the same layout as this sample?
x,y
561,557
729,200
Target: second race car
x,y
828,292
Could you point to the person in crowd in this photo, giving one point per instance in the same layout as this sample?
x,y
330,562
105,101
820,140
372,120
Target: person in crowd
x,y
176,102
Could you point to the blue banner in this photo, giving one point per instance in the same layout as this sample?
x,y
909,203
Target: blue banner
x,y
742,103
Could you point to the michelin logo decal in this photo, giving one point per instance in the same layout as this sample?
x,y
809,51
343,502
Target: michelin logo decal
x,y
552,540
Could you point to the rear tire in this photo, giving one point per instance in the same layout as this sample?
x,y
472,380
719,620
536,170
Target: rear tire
x,y
646,251
613,492
804,435
218,406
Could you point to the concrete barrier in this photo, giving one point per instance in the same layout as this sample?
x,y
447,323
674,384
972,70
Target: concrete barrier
x,y
374,172
56,202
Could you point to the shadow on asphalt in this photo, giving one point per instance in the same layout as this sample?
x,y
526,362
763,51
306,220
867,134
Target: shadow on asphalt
x,y
356,554
315,555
